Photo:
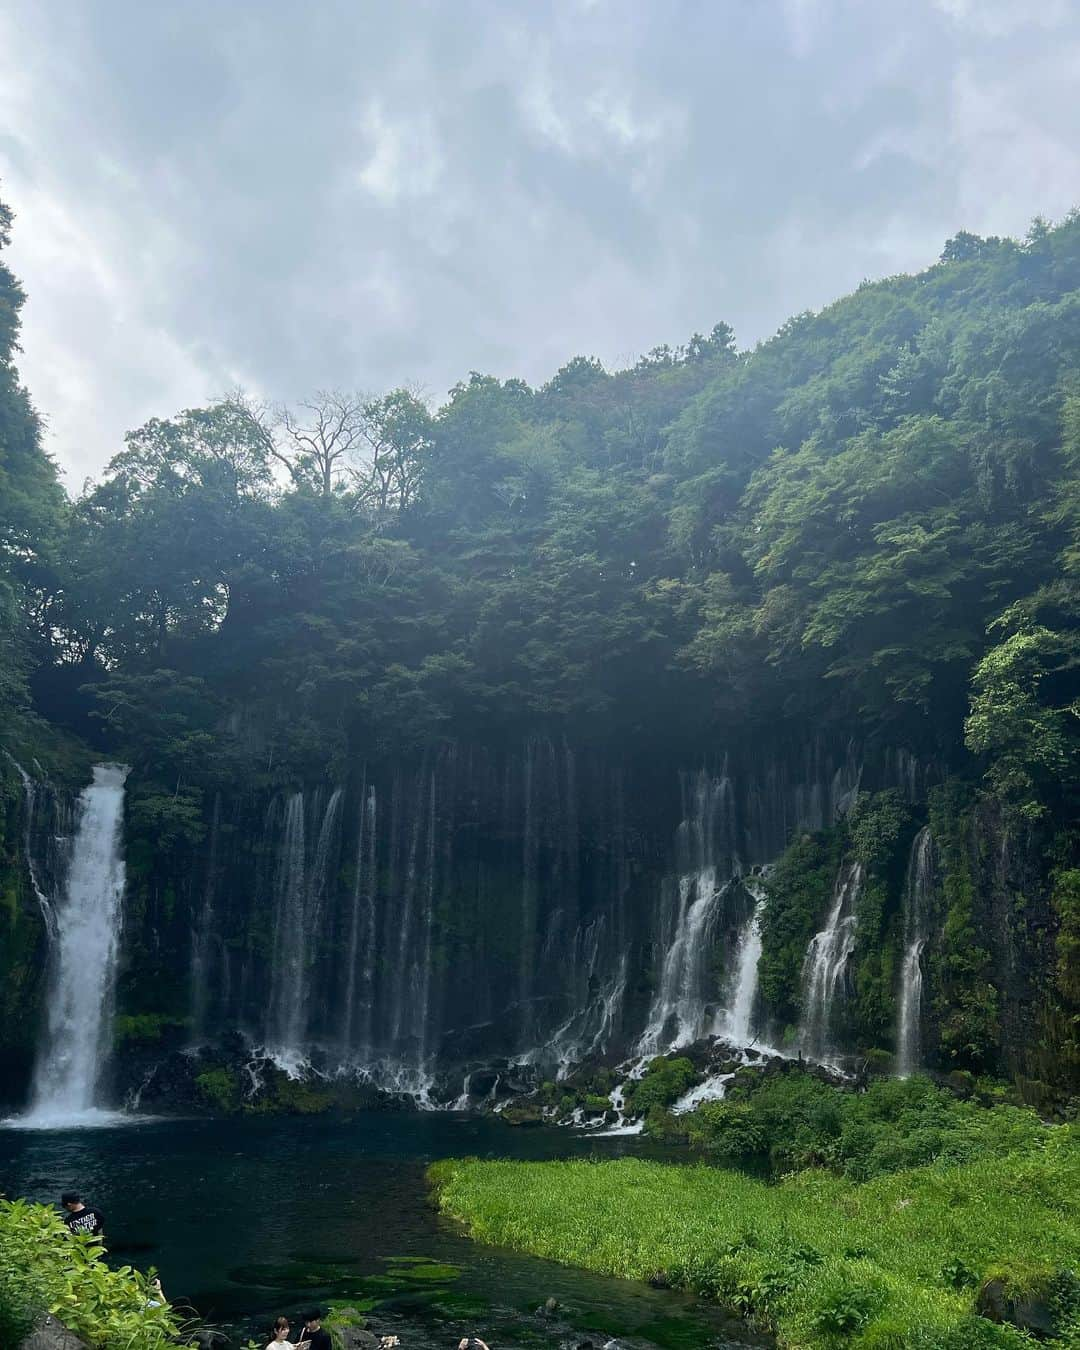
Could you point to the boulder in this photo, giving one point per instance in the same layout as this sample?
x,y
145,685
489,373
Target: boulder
x,y
208,1339
50,1334
1027,1304
357,1338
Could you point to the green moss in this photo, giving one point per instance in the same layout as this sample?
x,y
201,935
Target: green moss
x,y
145,1028
218,1088
1065,900
966,1002
799,887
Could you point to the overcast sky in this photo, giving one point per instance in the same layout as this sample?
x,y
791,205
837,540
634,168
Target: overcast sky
x,y
288,196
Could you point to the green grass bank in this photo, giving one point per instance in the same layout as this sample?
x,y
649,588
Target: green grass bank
x,y
896,1261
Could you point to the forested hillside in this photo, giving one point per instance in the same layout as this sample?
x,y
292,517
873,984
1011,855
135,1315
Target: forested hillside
x,y
858,541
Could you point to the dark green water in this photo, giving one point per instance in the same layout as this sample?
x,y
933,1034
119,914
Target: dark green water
x,y
246,1219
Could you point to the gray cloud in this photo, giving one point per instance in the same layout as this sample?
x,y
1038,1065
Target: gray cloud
x,y
362,195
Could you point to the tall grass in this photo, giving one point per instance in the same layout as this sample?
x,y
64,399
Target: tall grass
x,y
888,1263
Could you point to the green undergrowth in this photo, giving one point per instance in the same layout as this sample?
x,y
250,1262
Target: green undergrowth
x,y
792,1120
43,1269
824,1260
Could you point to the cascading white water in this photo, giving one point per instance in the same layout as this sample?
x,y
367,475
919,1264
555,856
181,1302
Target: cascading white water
x,y
83,967
736,1023
825,967
300,893
918,894
678,1014
30,795
362,935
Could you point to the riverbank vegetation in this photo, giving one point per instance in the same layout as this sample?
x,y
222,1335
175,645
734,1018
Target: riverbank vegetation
x,y
900,1261
792,1121
44,1269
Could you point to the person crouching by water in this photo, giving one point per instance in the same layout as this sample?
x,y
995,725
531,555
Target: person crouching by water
x,y
281,1336
80,1218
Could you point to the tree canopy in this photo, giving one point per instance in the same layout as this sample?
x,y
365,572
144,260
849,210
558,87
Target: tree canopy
x,y
867,524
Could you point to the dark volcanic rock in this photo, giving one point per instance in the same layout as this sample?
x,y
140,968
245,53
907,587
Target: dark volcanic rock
x,y
50,1334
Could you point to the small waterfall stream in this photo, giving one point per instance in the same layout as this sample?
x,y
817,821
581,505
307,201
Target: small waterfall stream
x,y
705,845
362,932
736,1023
918,895
83,970
30,798
300,890
825,967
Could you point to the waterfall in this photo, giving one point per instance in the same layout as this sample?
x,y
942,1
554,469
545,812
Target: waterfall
x,y
825,967
202,934
423,974
918,894
30,795
362,931
736,1024
529,869
83,965
299,892
704,842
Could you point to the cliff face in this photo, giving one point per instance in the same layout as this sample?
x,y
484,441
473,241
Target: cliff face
x,y
424,926
33,824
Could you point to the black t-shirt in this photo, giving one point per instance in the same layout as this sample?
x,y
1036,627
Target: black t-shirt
x,y
88,1220
320,1340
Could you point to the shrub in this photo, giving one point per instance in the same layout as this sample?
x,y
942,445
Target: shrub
x,y
218,1088
796,1121
728,1131
663,1083
43,1268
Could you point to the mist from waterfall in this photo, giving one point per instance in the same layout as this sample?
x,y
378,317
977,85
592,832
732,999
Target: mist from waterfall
x,y
918,900
82,972
825,969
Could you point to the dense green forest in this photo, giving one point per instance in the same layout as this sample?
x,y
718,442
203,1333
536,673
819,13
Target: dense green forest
x,y
871,518
866,527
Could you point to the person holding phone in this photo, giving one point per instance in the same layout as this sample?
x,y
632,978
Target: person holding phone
x,y
315,1338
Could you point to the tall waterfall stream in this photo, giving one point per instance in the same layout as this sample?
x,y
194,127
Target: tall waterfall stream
x,y
83,963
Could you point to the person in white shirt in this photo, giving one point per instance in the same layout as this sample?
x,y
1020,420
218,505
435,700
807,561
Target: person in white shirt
x,y
281,1336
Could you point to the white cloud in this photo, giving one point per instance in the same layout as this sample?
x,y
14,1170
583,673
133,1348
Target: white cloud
x,y
363,196
1000,18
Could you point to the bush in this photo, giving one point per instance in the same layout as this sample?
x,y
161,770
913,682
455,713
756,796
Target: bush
x,y
663,1083
218,1088
727,1131
795,1121
144,1028
43,1268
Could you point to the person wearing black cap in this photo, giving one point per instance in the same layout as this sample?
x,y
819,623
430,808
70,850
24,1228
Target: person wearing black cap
x,y
80,1218
315,1338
